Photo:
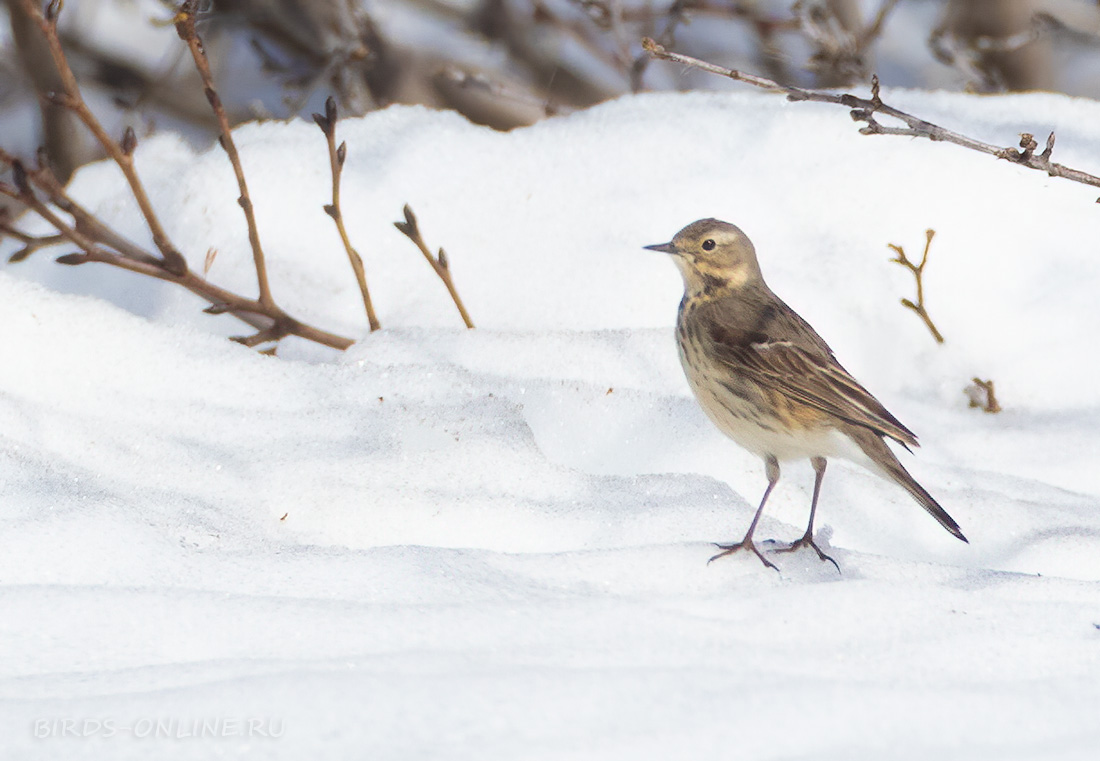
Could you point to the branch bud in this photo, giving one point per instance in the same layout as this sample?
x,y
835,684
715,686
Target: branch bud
x,y
330,110
409,225
1049,148
129,141
19,177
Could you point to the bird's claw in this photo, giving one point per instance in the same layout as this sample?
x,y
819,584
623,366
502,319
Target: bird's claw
x,y
807,541
746,544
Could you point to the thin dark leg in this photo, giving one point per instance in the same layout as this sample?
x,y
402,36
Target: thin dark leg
x,y
771,467
807,539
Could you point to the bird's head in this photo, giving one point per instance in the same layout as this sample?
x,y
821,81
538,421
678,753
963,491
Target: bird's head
x,y
713,256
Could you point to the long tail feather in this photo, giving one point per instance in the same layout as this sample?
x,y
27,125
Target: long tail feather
x,y
875,448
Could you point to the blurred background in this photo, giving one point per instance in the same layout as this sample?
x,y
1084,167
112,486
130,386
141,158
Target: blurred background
x,y
508,63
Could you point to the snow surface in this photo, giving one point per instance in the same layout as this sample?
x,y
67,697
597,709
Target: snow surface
x,y
492,543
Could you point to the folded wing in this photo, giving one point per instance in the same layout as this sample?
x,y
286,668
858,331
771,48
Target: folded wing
x,y
816,380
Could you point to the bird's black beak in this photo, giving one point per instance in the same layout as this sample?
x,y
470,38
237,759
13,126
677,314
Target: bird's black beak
x,y
664,248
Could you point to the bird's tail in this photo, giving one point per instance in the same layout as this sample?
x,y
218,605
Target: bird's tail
x,y
875,448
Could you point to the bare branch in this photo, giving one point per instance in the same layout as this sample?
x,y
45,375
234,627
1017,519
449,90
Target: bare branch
x,y
84,221
41,192
439,263
865,110
267,335
676,15
72,99
337,156
96,242
185,27
31,243
918,275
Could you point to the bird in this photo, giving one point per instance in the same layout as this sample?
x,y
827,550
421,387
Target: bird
x,y
768,381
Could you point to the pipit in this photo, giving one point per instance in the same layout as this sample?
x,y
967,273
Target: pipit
x,y
768,380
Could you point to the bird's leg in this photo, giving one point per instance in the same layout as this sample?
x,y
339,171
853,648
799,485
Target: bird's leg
x,y
771,467
807,539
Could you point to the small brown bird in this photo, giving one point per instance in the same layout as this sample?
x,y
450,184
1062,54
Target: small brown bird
x,y
768,380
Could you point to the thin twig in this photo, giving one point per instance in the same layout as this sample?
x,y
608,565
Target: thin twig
x,y
982,394
864,110
31,243
122,154
272,322
84,221
675,16
99,243
337,155
918,275
184,21
439,263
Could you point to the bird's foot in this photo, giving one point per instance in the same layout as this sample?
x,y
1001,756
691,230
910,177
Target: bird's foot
x,y
808,541
744,544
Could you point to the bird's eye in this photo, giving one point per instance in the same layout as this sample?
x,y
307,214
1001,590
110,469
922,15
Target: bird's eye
x,y
708,245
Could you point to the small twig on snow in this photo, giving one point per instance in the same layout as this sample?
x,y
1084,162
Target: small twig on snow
x,y
981,394
439,263
337,155
865,109
918,275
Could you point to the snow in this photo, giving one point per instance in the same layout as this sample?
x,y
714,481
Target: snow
x,y
493,543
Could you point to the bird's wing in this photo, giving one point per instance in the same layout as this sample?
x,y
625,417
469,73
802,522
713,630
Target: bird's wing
x,y
816,379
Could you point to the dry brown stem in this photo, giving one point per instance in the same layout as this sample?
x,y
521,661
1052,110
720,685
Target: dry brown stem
x,y
41,192
918,275
184,21
982,394
72,99
272,322
31,243
865,110
439,263
337,156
